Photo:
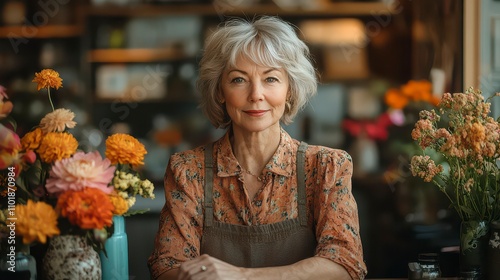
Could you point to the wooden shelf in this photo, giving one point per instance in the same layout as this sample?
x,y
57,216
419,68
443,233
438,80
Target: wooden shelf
x,y
135,55
331,9
45,31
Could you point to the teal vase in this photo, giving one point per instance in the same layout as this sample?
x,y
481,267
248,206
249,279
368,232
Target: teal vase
x,y
115,262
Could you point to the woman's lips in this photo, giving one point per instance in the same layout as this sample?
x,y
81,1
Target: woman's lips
x,y
255,113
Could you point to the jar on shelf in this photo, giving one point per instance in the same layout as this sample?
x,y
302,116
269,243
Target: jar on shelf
x,y
493,252
429,262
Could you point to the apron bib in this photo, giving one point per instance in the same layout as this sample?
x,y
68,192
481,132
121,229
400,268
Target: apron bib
x,y
277,244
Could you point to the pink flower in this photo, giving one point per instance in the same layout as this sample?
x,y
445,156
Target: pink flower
x,y
29,157
80,171
10,145
3,93
5,105
397,117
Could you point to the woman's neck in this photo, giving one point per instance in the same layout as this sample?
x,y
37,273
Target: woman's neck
x,y
254,150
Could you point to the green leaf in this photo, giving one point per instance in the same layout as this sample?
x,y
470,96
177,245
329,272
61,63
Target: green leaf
x,y
136,212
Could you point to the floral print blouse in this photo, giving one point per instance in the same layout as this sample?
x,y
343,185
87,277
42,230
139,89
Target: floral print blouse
x,y
332,210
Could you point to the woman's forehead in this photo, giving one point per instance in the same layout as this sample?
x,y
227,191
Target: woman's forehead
x,y
242,60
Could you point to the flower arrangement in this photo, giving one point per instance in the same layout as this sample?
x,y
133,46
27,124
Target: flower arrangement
x,y
58,189
467,141
414,91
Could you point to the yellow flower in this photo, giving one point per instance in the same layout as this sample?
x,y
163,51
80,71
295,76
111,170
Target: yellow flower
x,y
125,149
121,205
32,139
36,221
47,78
57,121
56,146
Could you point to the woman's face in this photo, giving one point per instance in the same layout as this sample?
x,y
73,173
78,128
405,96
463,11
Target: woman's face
x,y
254,95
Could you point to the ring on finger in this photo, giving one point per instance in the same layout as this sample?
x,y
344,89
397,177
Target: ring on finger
x,y
203,268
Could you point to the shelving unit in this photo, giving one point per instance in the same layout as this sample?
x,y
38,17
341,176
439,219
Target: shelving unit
x,y
135,55
41,32
330,10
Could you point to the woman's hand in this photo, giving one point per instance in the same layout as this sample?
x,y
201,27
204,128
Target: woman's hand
x,y
207,267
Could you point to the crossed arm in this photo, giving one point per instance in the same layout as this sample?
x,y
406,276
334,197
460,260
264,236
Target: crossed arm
x,y
311,268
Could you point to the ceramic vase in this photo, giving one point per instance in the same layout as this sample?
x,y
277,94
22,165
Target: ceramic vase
x,y
493,269
474,236
71,257
115,260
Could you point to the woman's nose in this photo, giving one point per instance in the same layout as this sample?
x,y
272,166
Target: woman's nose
x,y
256,91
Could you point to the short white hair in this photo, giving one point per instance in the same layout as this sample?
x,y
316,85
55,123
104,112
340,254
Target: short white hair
x,y
267,41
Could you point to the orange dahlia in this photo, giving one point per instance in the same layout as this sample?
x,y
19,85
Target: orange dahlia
x,y
125,149
56,146
89,208
32,139
47,78
36,221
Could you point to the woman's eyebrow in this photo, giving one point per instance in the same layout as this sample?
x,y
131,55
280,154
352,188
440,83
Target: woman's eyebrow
x,y
265,72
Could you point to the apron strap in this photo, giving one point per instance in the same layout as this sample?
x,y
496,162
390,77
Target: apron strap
x,y
209,175
301,188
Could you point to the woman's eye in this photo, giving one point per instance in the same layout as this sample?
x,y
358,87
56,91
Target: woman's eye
x,y
271,80
237,80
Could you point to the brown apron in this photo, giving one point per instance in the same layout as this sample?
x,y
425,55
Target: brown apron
x,y
277,244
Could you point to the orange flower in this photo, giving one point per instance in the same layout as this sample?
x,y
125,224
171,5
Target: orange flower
x,y
411,91
47,78
56,146
120,204
5,108
4,181
416,89
394,99
36,221
32,139
125,149
89,208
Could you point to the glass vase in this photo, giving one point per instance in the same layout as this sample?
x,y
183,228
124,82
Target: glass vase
x,y
71,257
18,264
474,236
115,261
493,272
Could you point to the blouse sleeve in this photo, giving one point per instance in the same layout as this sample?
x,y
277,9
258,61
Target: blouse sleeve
x,y
180,226
336,213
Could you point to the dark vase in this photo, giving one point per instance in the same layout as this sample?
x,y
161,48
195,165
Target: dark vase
x,y
18,264
494,252
474,237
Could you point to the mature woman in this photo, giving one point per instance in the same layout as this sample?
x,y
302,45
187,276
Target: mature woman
x,y
257,204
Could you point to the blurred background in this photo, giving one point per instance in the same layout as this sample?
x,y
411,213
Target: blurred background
x,y
131,65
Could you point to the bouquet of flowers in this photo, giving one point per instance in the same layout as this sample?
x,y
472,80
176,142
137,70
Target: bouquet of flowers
x,y
467,141
52,188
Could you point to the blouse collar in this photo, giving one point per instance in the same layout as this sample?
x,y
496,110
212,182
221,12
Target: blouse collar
x,y
281,163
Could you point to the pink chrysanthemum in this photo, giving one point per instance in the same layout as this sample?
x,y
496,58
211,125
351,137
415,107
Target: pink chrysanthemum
x,y
80,171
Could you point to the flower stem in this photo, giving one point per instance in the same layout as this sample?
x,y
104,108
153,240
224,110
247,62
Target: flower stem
x,y
50,99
